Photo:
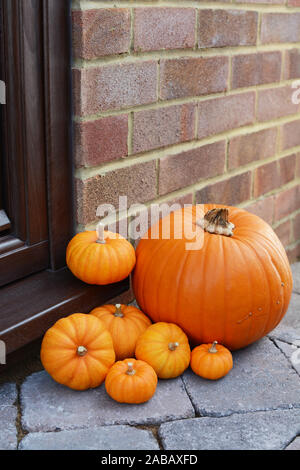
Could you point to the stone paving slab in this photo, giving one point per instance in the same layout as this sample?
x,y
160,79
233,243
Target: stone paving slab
x,y
296,277
264,430
286,334
289,328
48,406
102,438
294,445
8,415
262,379
292,353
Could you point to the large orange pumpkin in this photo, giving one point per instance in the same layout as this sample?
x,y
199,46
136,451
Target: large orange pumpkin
x,y
100,257
234,287
77,351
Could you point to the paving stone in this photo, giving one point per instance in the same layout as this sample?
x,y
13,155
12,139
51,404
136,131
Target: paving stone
x,y
289,328
48,406
261,379
102,438
264,430
296,277
292,352
285,333
8,414
294,445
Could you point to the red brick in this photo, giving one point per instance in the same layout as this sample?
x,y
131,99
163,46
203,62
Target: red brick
x,y
293,253
186,168
137,182
218,28
164,28
293,3
274,2
287,202
100,141
296,228
287,169
263,209
193,76
222,114
298,165
275,103
290,135
283,232
280,27
182,200
162,127
232,191
256,69
100,32
266,178
244,149
98,89
292,64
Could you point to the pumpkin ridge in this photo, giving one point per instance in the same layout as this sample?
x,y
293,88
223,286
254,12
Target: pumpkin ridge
x,y
247,243
250,282
84,261
78,334
146,269
161,274
62,335
176,296
72,250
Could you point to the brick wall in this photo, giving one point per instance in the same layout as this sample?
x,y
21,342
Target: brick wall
x,y
188,101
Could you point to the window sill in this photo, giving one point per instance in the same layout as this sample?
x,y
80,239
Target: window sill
x,y
30,306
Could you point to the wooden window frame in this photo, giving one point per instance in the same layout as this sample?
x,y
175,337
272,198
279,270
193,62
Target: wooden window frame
x,y
30,305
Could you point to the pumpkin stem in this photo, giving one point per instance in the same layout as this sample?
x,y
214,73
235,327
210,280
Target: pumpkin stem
x,y
118,312
81,351
100,233
213,348
130,370
173,346
216,221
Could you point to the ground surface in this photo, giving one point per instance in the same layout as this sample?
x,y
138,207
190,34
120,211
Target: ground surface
x,y
257,406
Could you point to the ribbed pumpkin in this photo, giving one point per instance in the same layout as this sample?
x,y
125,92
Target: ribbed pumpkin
x,y
211,361
234,288
131,381
100,257
125,324
77,351
166,348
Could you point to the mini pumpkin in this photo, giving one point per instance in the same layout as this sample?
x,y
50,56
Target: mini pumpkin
x,y
125,324
166,348
211,361
100,257
77,351
131,381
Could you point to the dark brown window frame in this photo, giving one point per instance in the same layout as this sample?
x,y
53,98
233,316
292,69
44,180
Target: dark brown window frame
x,y
30,305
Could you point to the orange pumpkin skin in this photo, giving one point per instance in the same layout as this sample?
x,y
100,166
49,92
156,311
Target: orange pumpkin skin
x,y
77,351
131,381
166,348
100,263
211,361
233,289
125,324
